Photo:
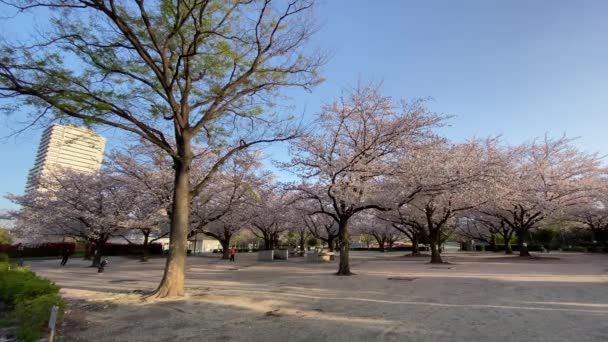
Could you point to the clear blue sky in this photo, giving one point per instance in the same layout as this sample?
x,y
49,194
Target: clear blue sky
x,y
518,68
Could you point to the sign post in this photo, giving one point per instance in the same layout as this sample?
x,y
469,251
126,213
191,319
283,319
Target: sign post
x,y
52,322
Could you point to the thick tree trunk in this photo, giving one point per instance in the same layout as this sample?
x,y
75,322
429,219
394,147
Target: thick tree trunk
x,y
380,244
330,244
302,244
521,242
225,249
268,244
172,284
145,252
435,254
508,249
493,243
344,268
415,246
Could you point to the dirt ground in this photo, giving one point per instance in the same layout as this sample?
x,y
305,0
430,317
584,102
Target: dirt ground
x,y
477,297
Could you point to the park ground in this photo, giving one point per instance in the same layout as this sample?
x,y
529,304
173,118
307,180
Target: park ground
x,y
476,297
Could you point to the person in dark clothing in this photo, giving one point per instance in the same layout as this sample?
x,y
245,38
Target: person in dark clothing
x,y
232,253
65,253
102,266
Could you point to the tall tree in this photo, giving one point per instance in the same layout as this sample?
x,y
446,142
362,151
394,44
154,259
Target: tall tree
x,y
86,207
269,215
357,140
453,178
225,213
542,180
592,213
175,73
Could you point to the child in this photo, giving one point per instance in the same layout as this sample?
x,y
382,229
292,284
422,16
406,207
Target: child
x,y
232,253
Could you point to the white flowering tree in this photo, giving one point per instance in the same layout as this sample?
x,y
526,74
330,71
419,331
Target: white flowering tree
x,y
543,179
224,214
269,215
447,180
86,207
354,145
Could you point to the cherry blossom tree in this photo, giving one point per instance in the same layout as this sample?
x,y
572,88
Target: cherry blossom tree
x,y
482,227
592,212
542,180
146,172
442,183
323,228
86,207
354,145
380,230
224,214
269,216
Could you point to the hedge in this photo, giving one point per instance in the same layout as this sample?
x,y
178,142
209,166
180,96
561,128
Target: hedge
x,y
40,250
31,297
127,249
394,249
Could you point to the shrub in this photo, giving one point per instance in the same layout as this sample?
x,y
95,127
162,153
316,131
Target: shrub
x,y
20,283
575,249
41,250
128,249
33,315
4,257
32,298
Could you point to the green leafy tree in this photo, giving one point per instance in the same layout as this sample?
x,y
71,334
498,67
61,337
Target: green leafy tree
x,y
6,236
196,78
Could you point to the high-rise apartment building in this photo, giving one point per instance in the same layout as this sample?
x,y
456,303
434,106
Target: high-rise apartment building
x,y
67,147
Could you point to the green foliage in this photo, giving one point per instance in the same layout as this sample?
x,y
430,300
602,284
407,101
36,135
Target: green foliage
x,y
6,236
545,236
312,241
32,298
20,284
3,258
33,315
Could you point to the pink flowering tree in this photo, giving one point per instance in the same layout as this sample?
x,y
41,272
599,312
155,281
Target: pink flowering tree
x,y
355,143
542,180
86,207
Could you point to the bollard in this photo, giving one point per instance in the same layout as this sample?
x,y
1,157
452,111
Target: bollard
x,y
52,322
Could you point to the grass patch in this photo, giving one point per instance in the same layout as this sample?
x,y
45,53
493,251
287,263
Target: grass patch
x,y
31,298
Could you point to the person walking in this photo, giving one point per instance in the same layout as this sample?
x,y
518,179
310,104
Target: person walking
x,y
232,253
65,253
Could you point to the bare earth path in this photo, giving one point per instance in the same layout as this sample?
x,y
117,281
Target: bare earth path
x,y
478,297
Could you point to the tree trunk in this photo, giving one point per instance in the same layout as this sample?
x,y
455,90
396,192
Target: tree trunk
x,y
268,244
225,249
344,268
493,243
302,244
380,244
415,246
435,254
508,249
172,284
145,248
521,241
330,243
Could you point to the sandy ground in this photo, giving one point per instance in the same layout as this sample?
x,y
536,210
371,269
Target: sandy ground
x,y
478,297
